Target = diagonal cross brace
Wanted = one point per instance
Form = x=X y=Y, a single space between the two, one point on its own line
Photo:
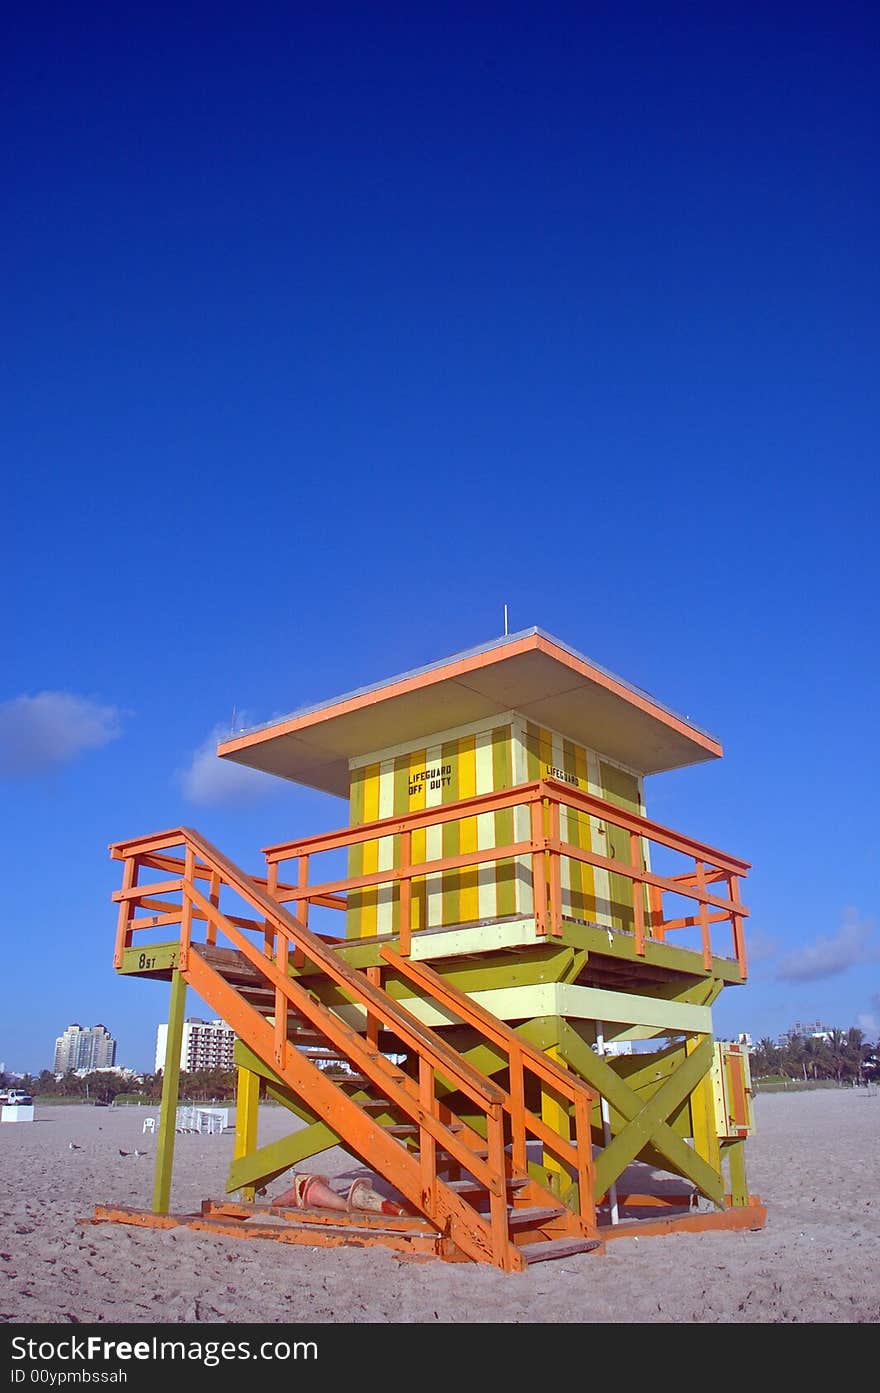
x=645 y=1122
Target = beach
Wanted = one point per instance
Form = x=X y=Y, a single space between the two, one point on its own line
x=814 y=1160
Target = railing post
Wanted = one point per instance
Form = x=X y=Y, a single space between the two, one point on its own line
x=427 y=1143
x=271 y=889
x=655 y=903
x=635 y=856
x=583 y=1106
x=739 y=946
x=704 y=917
x=405 y=901
x=554 y=866
x=302 y=907
x=214 y=897
x=187 y=906
x=126 y=909
x=498 y=1194
x=539 y=872
x=517 y=1108
x=280 y=1033
x=374 y=975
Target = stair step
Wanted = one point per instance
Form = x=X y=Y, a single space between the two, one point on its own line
x=536 y=1214
x=402 y=1129
x=558 y=1248
x=465 y=1187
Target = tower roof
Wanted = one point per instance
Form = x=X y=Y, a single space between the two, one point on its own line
x=530 y=672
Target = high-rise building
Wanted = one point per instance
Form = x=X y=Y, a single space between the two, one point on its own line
x=205 y=1045
x=84 y=1047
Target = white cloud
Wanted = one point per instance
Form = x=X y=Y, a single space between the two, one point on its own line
x=869 y=1021
x=50 y=729
x=761 y=946
x=209 y=779
x=853 y=943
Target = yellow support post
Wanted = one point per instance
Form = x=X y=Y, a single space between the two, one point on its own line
x=555 y=1113
x=247 y=1098
x=703 y=1122
x=170 y=1094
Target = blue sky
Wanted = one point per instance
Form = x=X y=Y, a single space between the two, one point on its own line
x=330 y=330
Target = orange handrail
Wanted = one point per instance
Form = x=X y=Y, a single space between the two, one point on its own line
x=546 y=849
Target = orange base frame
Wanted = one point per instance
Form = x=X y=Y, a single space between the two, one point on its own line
x=750 y=1216
x=411 y=1236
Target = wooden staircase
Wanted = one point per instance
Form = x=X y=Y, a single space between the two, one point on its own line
x=465 y=1181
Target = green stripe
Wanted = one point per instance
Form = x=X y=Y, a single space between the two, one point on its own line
x=534 y=753
x=574 y=834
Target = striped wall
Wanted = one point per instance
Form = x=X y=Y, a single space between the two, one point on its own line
x=588 y=892
x=460 y=764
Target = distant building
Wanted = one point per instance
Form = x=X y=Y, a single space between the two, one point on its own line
x=205 y=1045
x=84 y=1048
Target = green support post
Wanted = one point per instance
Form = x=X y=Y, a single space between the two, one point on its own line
x=170 y=1093
x=735 y=1152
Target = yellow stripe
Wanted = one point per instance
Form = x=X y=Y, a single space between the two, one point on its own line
x=355 y=855
x=503 y=777
x=450 y=881
x=469 y=900
x=554 y=1111
x=370 y=901
x=415 y=804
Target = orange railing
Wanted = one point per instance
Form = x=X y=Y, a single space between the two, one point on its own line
x=544 y=850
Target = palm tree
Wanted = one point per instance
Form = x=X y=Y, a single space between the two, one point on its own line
x=857 y=1052
x=765 y=1057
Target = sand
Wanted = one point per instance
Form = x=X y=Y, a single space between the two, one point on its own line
x=814 y=1161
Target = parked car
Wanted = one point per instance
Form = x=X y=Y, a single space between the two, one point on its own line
x=15 y=1098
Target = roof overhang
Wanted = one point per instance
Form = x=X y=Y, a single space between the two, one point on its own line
x=530 y=672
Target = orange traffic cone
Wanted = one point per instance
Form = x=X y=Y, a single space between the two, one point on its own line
x=311 y=1192
x=363 y=1196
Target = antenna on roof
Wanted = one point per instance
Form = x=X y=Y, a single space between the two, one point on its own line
x=232 y=727
x=505 y=621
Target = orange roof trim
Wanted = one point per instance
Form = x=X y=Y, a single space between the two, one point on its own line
x=530 y=672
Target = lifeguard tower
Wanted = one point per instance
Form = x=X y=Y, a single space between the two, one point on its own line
x=493 y=986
